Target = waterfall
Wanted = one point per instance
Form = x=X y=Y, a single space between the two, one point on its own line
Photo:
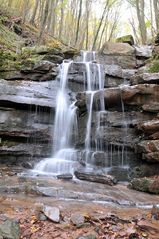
x=64 y=154
x=94 y=81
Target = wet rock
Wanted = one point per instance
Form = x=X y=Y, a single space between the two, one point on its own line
x=143 y=51
x=53 y=213
x=65 y=176
x=16 y=153
x=150 y=185
x=152 y=108
x=151 y=78
x=24 y=94
x=129 y=119
x=10 y=230
x=77 y=219
x=126 y=39
x=136 y=95
x=149 y=149
x=128 y=73
x=113 y=70
x=25 y=124
x=87 y=237
x=99 y=178
x=27 y=165
x=140 y=94
x=144 y=170
x=149 y=127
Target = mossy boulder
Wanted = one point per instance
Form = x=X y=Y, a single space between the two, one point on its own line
x=149 y=185
x=126 y=39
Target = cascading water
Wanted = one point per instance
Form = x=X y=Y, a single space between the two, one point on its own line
x=64 y=154
x=94 y=81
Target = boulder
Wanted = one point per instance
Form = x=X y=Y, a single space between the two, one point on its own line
x=149 y=149
x=126 y=39
x=150 y=185
x=110 y=48
x=98 y=178
x=121 y=54
x=143 y=51
x=10 y=229
x=145 y=78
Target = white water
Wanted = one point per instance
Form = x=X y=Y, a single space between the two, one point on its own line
x=94 y=81
x=64 y=154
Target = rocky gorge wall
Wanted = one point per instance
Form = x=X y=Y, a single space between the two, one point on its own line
x=27 y=105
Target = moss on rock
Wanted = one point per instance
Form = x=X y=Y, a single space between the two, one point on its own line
x=154 y=66
x=126 y=39
x=147 y=184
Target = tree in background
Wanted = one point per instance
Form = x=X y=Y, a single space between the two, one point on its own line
x=87 y=24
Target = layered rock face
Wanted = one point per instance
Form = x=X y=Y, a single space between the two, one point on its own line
x=128 y=130
x=127 y=133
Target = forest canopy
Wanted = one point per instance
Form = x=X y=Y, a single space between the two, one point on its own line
x=87 y=24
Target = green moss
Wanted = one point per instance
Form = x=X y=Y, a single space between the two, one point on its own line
x=126 y=39
x=154 y=67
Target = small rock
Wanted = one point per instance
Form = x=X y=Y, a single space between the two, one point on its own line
x=27 y=165
x=87 y=237
x=77 y=219
x=53 y=213
x=10 y=230
x=42 y=217
x=65 y=176
x=155 y=213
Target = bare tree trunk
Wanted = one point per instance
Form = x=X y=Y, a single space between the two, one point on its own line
x=151 y=11
x=78 y=21
x=88 y=6
x=100 y=24
x=140 y=8
x=10 y=3
x=61 y=20
x=43 y=25
x=32 y=20
x=156 y=10
x=52 y=26
x=25 y=9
